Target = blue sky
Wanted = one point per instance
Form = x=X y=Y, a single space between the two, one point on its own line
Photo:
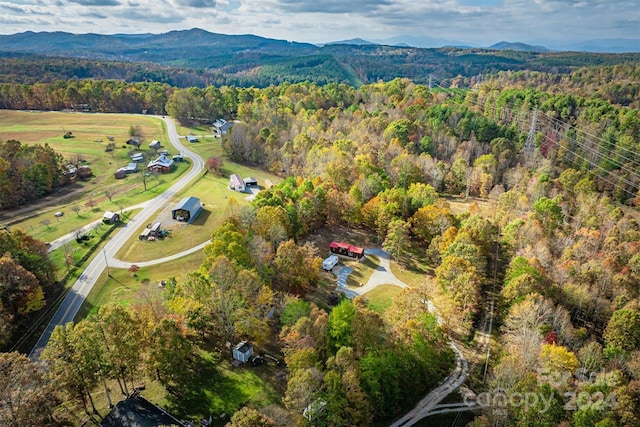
x=473 y=22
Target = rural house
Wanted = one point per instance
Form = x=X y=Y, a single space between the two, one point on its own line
x=187 y=209
x=155 y=144
x=347 y=250
x=110 y=217
x=162 y=164
x=191 y=138
x=137 y=157
x=236 y=183
x=131 y=168
x=135 y=141
x=120 y=173
x=221 y=127
x=243 y=351
x=136 y=411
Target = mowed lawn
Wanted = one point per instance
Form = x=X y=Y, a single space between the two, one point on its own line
x=381 y=297
x=120 y=286
x=87 y=147
x=212 y=190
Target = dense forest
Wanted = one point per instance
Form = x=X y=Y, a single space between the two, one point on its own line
x=28 y=172
x=556 y=263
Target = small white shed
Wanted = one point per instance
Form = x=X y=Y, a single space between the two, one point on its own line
x=243 y=351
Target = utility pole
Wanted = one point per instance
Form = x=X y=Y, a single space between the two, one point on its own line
x=106 y=261
x=528 y=147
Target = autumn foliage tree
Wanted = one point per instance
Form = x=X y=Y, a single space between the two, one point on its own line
x=26 y=397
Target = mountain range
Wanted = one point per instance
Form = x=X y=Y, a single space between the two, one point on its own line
x=254 y=60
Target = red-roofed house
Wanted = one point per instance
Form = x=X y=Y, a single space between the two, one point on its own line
x=162 y=164
x=345 y=249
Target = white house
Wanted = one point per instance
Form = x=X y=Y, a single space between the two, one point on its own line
x=155 y=144
x=191 y=138
x=236 y=183
x=243 y=351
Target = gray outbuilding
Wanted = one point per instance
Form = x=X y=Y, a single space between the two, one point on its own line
x=187 y=209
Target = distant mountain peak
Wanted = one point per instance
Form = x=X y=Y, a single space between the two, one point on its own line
x=356 y=41
x=503 y=45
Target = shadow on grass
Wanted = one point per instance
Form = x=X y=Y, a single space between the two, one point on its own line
x=212 y=387
x=202 y=218
x=362 y=270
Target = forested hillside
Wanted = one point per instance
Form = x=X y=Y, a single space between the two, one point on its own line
x=553 y=263
x=199 y=58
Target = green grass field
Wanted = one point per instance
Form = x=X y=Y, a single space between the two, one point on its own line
x=122 y=287
x=213 y=192
x=90 y=199
x=380 y=298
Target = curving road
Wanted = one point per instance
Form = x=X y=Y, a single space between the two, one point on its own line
x=428 y=403
x=74 y=299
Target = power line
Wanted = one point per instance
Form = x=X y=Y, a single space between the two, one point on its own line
x=561 y=129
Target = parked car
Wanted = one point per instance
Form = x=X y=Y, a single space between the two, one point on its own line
x=330 y=262
x=58 y=214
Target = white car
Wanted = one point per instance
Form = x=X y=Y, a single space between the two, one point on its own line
x=330 y=262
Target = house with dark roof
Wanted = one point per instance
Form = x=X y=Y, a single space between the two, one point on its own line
x=187 y=209
x=162 y=164
x=135 y=141
x=155 y=144
x=243 y=351
x=250 y=182
x=136 y=411
x=221 y=127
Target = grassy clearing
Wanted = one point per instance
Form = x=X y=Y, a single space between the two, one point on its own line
x=214 y=387
x=380 y=297
x=213 y=192
x=362 y=270
x=87 y=147
x=461 y=205
x=411 y=270
x=121 y=287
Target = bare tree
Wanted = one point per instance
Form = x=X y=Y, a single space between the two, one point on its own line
x=46 y=222
x=144 y=176
x=110 y=192
x=76 y=209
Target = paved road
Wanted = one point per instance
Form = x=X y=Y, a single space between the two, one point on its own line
x=78 y=293
x=428 y=403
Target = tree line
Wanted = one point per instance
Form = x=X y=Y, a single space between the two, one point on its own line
x=28 y=172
